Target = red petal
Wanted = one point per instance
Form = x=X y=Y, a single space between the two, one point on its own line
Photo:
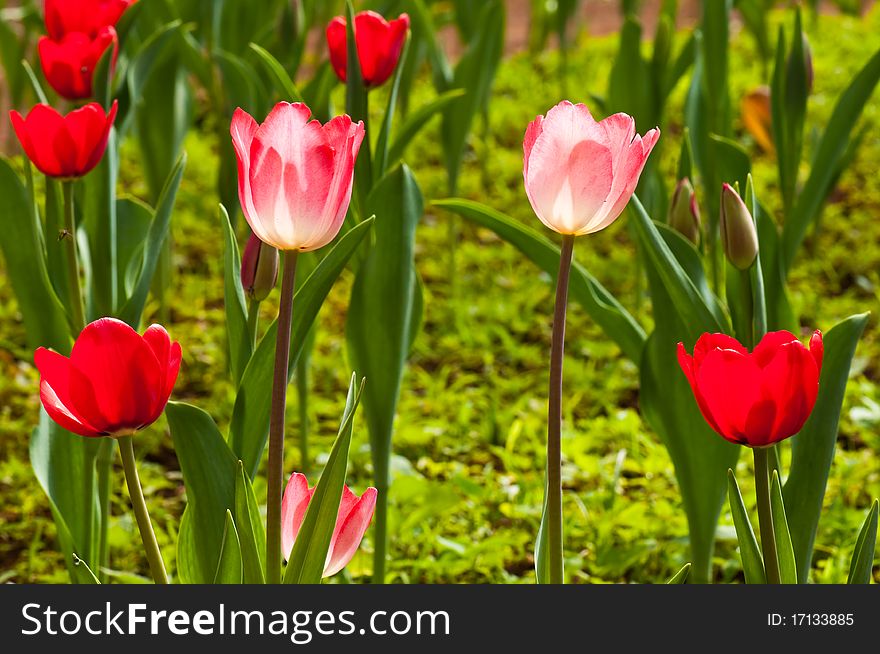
x=791 y=380
x=55 y=381
x=767 y=348
x=168 y=357
x=730 y=384
x=708 y=342
x=351 y=525
x=338 y=46
x=293 y=510
x=817 y=349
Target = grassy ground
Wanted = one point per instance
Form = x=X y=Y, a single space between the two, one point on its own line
x=468 y=469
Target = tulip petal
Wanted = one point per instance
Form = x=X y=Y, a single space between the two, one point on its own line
x=55 y=382
x=124 y=374
x=730 y=385
x=49 y=144
x=791 y=380
x=294 y=504
x=242 y=129
x=338 y=46
x=817 y=349
x=767 y=349
x=350 y=530
x=708 y=342
x=168 y=358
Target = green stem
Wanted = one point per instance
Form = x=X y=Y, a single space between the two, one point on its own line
x=77 y=313
x=380 y=532
x=302 y=393
x=765 y=515
x=554 y=417
x=104 y=463
x=747 y=305
x=275 y=470
x=148 y=536
x=253 y=319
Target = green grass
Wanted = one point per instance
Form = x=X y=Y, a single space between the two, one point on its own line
x=469 y=442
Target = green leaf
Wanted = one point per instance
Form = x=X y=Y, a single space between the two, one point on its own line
x=681 y=576
x=784 y=548
x=249 y=427
x=21 y=240
x=64 y=464
x=89 y=575
x=832 y=147
x=699 y=455
x=629 y=87
x=475 y=73
x=603 y=307
x=252 y=534
x=753 y=564
x=694 y=302
x=133 y=309
x=863 y=554
x=380 y=165
x=812 y=450
x=137 y=218
x=416 y=120
x=379 y=323
x=542 y=562
x=238 y=337
x=357 y=106
x=283 y=82
x=309 y=554
x=209 y=470
x=229 y=565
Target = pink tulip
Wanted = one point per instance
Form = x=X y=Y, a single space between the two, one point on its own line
x=580 y=174
x=295 y=175
x=352 y=521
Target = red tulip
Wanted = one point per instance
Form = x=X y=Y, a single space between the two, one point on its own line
x=85 y=16
x=295 y=175
x=758 y=398
x=115 y=381
x=580 y=174
x=379 y=44
x=69 y=63
x=352 y=521
x=64 y=146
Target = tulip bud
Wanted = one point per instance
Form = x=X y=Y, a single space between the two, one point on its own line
x=684 y=214
x=738 y=234
x=259 y=269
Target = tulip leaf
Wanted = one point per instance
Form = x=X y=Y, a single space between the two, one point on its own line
x=629 y=84
x=276 y=71
x=863 y=554
x=753 y=564
x=309 y=553
x=209 y=471
x=357 y=106
x=380 y=318
x=681 y=576
x=416 y=120
x=832 y=147
x=64 y=464
x=237 y=334
x=24 y=251
x=88 y=576
x=700 y=456
x=133 y=309
x=813 y=448
x=229 y=566
x=35 y=82
x=603 y=307
x=249 y=427
x=475 y=73
x=784 y=548
x=100 y=222
x=690 y=295
x=380 y=165
x=251 y=532
x=137 y=218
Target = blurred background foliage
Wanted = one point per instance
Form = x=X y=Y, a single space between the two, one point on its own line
x=469 y=441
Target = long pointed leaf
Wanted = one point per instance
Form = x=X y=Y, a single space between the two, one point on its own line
x=863 y=554
x=784 y=548
x=753 y=564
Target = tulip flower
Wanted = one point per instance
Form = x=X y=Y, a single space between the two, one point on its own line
x=684 y=213
x=579 y=176
x=379 y=44
x=295 y=175
x=739 y=236
x=69 y=63
x=115 y=383
x=64 y=146
x=85 y=16
x=295 y=178
x=756 y=399
x=259 y=269
x=352 y=520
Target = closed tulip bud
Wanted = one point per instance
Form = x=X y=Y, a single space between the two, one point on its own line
x=738 y=234
x=259 y=269
x=379 y=45
x=684 y=214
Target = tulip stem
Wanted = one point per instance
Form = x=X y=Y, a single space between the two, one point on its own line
x=747 y=304
x=77 y=313
x=275 y=470
x=765 y=515
x=554 y=418
x=148 y=536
